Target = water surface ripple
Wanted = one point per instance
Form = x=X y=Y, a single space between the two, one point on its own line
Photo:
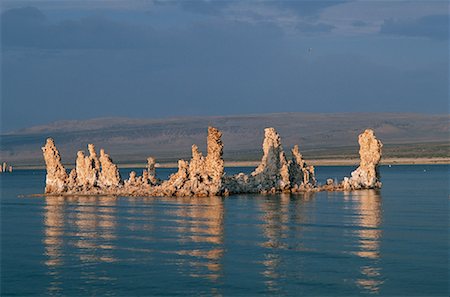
x=388 y=242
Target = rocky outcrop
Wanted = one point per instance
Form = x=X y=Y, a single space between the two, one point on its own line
x=109 y=175
x=4 y=167
x=150 y=174
x=56 y=179
x=366 y=176
x=274 y=173
x=204 y=175
x=301 y=176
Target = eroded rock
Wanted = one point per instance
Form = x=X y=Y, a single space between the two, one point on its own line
x=109 y=175
x=301 y=176
x=151 y=171
x=366 y=176
x=56 y=178
x=274 y=173
x=204 y=175
x=4 y=167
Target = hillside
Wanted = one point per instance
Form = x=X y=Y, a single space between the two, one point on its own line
x=318 y=135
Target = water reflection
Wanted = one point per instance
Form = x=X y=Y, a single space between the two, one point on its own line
x=94 y=222
x=90 y=222
x=200 y=235
x=367 y=205
x=283 y=217
x=186 y=237
x=53 y=240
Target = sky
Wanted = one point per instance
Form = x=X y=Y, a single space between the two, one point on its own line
x=80 y=59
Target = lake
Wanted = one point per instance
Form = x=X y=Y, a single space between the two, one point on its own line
x=392 y=242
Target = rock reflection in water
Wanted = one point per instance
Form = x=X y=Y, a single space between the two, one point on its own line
x=200 y=232
x=53 y=240
x=94 y=219
x=367 y=204
x=280 y=216
x=90 y=221
x=185 y=237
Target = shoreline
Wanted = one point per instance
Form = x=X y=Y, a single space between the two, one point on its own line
x=318 y=162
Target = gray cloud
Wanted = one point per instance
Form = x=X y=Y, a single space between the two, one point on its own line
x=217 y=7
x=207 y=79
x=211 y=7
x=94 y=66
x=29 y=27
x=359 y=23
x=307 y=7
x=433 y=26
x=314 y=28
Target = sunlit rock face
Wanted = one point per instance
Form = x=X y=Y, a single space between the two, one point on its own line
x=87 y=170
x=109 y=175
x=274 y=173
x=366 y=176
x=301 y=176
x=56 y=179
x=204 y=176
x=91 y=175
x=150 y=174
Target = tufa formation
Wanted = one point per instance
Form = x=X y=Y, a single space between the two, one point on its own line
x=366 y=176
x=4 y=167
x=204 y=176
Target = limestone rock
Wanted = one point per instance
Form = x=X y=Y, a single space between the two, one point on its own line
x=301 y=175
x=72 y=180
x=366 y=176
x=4 y=167
x=87 y=170
x=214 y=160
x=56 y=179
x=176 y=181
x=204 y=175
x=109 y=175
x=151 y=171
x=273 y=172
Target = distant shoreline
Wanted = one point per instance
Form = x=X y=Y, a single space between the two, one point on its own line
x=318 y=162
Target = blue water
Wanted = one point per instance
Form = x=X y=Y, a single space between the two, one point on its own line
x=393 y=242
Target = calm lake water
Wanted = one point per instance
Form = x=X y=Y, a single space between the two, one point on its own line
x=389 y=242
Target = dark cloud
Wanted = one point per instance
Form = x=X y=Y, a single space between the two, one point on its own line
x=359 y=23
x=94 y=66
x=205 y=7
x=28 y=27
x=216 y=7
x=314 y=28
x=22 y=26
x=209 y=7
x=306 y=7
x=207 y=79
x=433 y=26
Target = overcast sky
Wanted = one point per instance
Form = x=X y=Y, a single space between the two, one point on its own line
x=84 y=59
